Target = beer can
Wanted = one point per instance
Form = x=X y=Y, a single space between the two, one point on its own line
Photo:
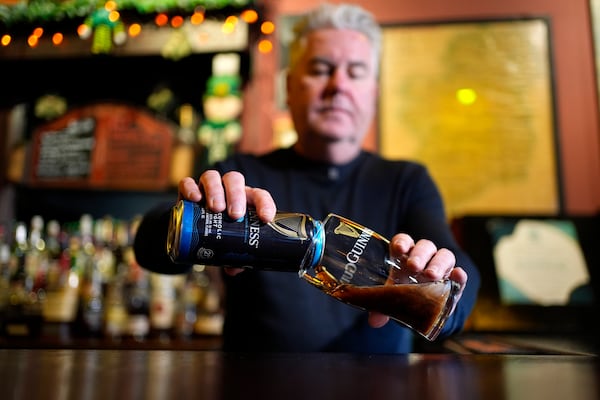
x=292 y=242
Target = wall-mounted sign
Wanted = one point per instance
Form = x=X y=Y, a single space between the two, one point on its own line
x=108 y=146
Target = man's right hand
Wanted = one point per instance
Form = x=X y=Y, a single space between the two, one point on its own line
x=228 y=193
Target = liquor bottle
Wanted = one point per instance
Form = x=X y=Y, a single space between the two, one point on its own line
x=115 y=311
x=342 y=258
x=163 y=305
x=105 y=249
x=23 y=315
x=59 y=306
x=188 y=301
x=90 y=317
x=35 y=259
x=4 y=275
x=116 y=318
x=210 y=318
x=137 y=299
x=137 y=284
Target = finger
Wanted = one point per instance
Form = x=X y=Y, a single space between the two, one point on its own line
x=189 y=190
x=440 y=264
x=460 y=276
x=235 y=193
x=401 y=244
x=419 y=256
x=377 y=320
x=214 y=193
x=263 y=202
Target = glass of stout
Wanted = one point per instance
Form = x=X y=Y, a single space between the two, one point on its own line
x=356 y=269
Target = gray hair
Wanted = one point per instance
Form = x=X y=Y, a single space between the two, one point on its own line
x=341 y=16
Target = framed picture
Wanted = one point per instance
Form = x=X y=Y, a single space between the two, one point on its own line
x=535 y=271
x=474 y=102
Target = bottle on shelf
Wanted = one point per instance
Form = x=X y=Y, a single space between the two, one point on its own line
x=115 y=308
x=116 y=317
x=209 y=321
x=90 y=317
x=4 y=275
x=59 y=305
x=138 y=298
x=23 y=316
x=188 y=301
x=163 y=305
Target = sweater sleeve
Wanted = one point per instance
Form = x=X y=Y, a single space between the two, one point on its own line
x=150 y=243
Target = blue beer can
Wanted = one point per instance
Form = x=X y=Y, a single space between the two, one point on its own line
x=292 y=242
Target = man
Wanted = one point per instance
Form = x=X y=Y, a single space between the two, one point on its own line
x=331 y=93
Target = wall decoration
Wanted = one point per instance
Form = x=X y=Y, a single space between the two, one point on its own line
x=47 y=28
x=474 y=102
x=102 y=146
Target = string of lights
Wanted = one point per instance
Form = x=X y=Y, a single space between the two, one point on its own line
x=107 y=24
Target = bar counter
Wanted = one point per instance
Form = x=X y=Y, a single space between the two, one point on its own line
x=208 y=374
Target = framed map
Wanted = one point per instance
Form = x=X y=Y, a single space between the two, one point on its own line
x=474 y=102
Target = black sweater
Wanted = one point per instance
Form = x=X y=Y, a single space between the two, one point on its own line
x=276 y=311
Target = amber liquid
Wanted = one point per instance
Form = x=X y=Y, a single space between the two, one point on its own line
x=422 y=307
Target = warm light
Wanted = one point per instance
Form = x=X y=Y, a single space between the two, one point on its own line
x=38 y=32
x=82 y=29
x=114 y=16
x=249 y=16
x=135 y=30
x=32 y=41
x=466 y=96
x=161 y=19
x=177 y=21
x=197 y=18
x=267 y=27
x=265 y=46
x=5 y=40
x=57 y=38
x=110 y=5
x=229 y=25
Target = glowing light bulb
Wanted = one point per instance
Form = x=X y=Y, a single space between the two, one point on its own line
x=6 y=39
x=267 y=27
x=249 y=16
x=466 y=96
x=265 y=46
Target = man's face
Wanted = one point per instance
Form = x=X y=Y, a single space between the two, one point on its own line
x=333 y=87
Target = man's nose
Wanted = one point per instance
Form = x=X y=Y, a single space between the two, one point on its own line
x=338 y=80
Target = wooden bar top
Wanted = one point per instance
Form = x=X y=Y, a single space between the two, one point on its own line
x=208 y=374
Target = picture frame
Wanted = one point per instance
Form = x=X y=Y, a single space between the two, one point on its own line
x=499 y=311
x=474 y=101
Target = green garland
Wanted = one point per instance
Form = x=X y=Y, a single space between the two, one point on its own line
x=41 y=12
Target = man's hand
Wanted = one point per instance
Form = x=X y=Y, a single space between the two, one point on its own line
x=426 y=262
x=228 y=193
